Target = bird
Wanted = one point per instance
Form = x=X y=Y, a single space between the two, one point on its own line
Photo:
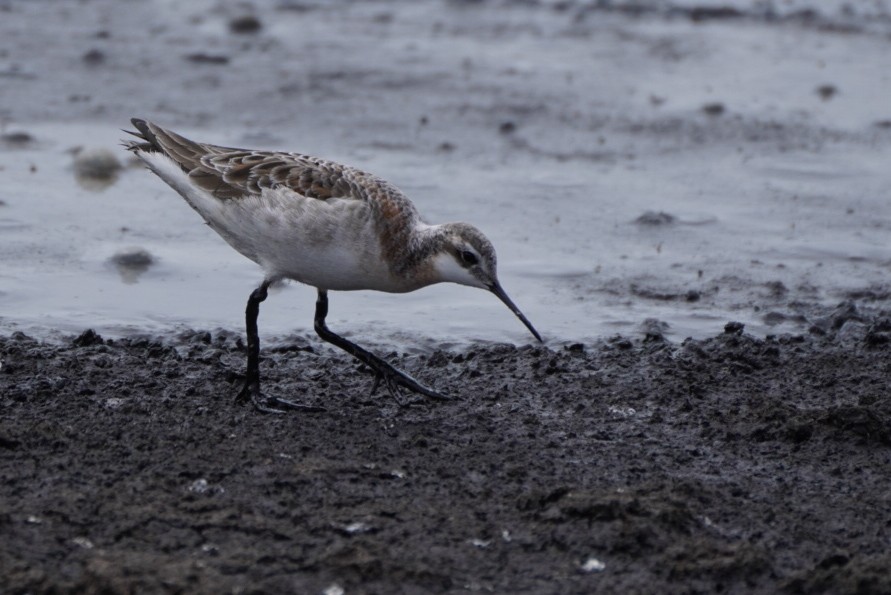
x=327 y=225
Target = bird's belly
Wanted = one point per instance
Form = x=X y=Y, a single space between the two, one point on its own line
x=329 y=244
x=334 y=267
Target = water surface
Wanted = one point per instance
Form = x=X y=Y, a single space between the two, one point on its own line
x=764 y=195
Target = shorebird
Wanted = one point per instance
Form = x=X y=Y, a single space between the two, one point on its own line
x=321 y=223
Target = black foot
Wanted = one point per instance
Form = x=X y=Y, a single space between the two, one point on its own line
x=266 y=404
x=395 y=380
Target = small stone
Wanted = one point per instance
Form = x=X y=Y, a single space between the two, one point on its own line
x=94 y=57
x=202 y=58
x=245 y=24
x=592 y=565
x=654 y=218
x=87 y=338
x=133 y=258
x=713 y=109
x=17 y=138
x=131 y=263
x=507 y=128
x=654 y=330
x=827 y=92
x=734 y=328
x=199 y=486
x=357 y=528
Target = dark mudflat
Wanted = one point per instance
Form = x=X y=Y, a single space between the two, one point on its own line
x=731 y=465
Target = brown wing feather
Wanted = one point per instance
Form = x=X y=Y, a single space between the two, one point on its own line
x=251 y=172
x=231 y=173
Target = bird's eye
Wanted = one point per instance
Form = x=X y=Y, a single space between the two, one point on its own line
x=469 y=258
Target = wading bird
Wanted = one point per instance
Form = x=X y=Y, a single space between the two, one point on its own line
x=327 y=225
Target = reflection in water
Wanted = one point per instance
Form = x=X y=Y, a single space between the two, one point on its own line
x=95 y=169
x=95 y=184
x=132 y=263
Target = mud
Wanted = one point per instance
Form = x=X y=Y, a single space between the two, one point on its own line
x=731 y=464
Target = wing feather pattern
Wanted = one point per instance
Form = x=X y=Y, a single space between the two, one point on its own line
x=230 y=173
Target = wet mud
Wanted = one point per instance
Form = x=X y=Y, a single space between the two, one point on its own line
x=731 y=464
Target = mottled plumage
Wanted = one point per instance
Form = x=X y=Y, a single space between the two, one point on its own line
x=321 y=223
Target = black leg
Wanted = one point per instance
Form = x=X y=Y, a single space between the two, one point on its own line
x=252 y=377
x=392 y=377
x=251 y=389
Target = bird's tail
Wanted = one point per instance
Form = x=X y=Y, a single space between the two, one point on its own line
x=154 y=139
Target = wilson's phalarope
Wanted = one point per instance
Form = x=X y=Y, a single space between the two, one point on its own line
x=320 y=223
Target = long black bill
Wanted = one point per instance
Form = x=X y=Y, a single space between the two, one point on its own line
x=497 y=290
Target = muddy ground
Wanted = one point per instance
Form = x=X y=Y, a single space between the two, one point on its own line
x=635 y=465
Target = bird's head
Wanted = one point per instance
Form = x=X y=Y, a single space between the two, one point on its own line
x=467 y=257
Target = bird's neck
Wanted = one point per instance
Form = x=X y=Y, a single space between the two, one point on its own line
x=414 y=262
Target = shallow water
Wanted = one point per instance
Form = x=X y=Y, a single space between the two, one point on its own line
x=552 y=132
